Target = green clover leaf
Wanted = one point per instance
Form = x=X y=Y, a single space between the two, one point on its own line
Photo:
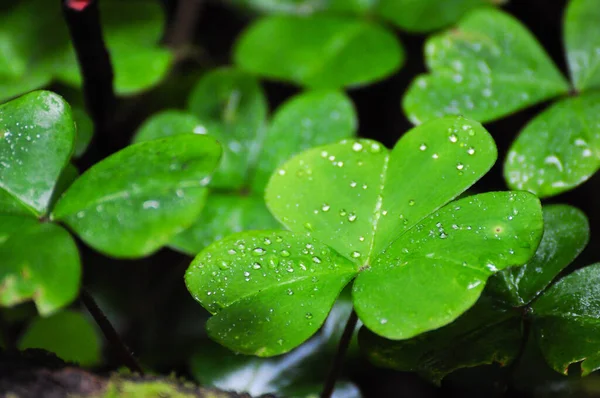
x=480 y=71
x=356 y=210
x=492 y=330
x=323 y=52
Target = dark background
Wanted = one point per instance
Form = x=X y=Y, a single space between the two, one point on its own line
x=147 y=298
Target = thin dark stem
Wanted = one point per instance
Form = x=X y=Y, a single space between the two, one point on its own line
x=181 y=30
x=83 y=21
x=109 y=332
x=338 y=361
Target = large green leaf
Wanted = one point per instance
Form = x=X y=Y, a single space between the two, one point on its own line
x=223 y=215
x=583 y=43
x=559 y=149
x=269 y=291
x=426 y=15
x=36 y=141
x=307 y=120
x=380 y=212
x=489 y=66
x=233 y=107
x=566 y=233
x=567 y=321
x=68 y=334
x=143 y=195
x=40 y=262
x=485 y=334
x=318 y=52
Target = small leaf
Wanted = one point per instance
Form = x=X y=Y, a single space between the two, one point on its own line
x=233 y=108
x=40 y=262
x=582 y=43
x=307 y=120
x=566 y=233
x=68 y=334
x=223 y=215
x=319 y=51
x=143 y=195
x=557 y=150
x=566 y=321
x=479 y=70
x=461 y=246
x=269 y=291
x=426 y=15
x=168 y=123
x=484 y=334
x=36 y=140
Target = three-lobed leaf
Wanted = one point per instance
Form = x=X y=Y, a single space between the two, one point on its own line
x=386 y=214
x=36 y=141
x=318 y=52
x=143 y=195
x=487 y=67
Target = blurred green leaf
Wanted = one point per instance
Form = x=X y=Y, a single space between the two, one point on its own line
x=168 y=123
x=133 y=202
x=582 y=43
x=68 y=334
x=488 y=67
x=40 y=262
x=318 y=52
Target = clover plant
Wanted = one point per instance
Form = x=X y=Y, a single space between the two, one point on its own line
x=230 y=106
x=143 y=195
x=385 y=220
x=490 y=66
x=562 y=315
x=37 y=49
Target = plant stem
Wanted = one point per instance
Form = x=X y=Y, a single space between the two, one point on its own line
x=109 y=332
x=83 y=20
x=181 y=30
x=338 y=360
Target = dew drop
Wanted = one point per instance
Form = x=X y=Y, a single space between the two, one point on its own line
x=375 y=147
x=246 y=274
x=308 y=315
x=259 y=251
x=361 y=238
x=357 y=147
x=231 y=251
x=352 y=217
x=353 y=184
x=383 y=321
x=285 y=253
x=423 y=147
x=411 y=202
x=435 y=156
x=460 y=166
x=343 y=213
x=453 y=138
x=325 y=207
x=256 y=266
x=471 y=151
x=267 y=241
x=355 y=254
x=290 y=292
x=316 y=260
